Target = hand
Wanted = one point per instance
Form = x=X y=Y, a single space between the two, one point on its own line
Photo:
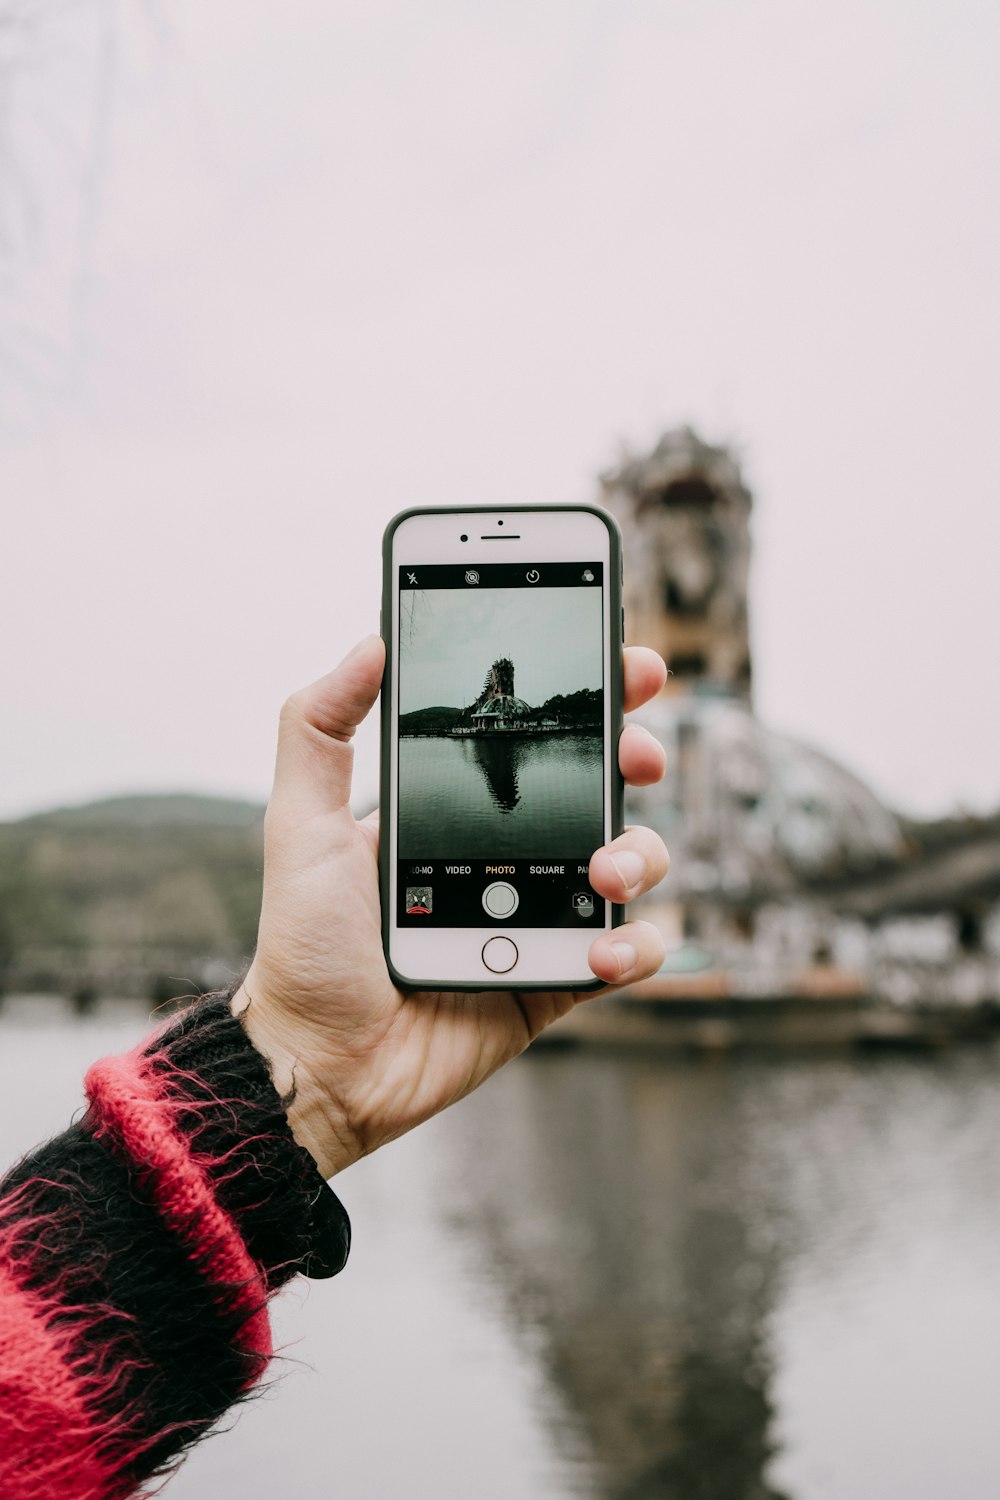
x=366 y=1061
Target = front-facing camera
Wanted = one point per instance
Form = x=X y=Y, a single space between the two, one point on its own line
x=463 y=537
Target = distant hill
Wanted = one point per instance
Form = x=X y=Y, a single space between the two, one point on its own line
x=134 y=895
x=152 y=810
x=429 y=720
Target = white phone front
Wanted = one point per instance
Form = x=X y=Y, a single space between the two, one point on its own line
x=502 y=707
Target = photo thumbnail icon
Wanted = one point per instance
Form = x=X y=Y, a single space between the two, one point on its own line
x=419 y=900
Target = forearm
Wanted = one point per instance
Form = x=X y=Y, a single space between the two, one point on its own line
x=137 y=1254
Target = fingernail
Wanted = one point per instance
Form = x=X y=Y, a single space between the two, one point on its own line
x=630 y=866
x=625 y=954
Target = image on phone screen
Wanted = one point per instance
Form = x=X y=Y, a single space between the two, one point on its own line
x=500 y=796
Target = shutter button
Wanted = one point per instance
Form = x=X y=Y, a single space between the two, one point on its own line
x=500 y=899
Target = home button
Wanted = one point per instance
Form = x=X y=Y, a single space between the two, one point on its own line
x=500 y=955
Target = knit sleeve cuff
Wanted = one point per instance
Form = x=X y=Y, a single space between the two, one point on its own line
x=202 y=1080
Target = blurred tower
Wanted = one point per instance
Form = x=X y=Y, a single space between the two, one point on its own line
x=684 y=513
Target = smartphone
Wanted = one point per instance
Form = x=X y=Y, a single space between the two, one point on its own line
x=502 y=708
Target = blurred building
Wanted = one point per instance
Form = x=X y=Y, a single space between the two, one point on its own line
x=684 y=512
x=790 y=878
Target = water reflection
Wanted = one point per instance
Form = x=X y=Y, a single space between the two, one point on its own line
x=635 y=1246
x=676 y=1229
x=497 y=761
x=517 y=797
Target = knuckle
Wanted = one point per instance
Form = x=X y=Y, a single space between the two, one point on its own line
x=292 y=710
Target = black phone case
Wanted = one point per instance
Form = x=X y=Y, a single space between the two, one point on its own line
x=617 y=689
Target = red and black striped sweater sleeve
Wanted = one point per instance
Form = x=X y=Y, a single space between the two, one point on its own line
x=138 y=1251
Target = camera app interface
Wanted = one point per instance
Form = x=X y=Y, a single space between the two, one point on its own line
x=501 y=719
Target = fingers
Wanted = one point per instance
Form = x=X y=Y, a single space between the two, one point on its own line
x=629 y=866
x=312 y=773
x=641 y=757
x=645 y=674
x=628 y=953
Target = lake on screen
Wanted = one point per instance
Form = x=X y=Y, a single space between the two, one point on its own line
x=500 y=796
x=628 y=1278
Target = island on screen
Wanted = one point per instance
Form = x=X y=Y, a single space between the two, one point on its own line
x=501 y=743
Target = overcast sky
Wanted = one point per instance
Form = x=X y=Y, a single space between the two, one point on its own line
x=270 y=275
x=553 y=637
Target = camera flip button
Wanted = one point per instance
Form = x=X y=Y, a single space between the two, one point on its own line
x=500 y=955
x=500 y=899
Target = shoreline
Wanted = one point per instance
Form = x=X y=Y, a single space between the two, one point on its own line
x=502 y=734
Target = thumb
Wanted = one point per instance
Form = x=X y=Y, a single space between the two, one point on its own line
x=312 y=773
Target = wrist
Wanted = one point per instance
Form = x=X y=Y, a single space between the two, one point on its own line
x=312 y=1117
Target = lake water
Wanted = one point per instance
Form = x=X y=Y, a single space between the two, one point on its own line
x=633 y=1279
x=505 y=797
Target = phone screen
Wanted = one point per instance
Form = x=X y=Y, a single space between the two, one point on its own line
x=500 y=796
